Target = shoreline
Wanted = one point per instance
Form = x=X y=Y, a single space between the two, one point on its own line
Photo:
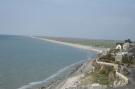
x=74 y=74
x=73 y=80
x=89 y=48
x=56 y=78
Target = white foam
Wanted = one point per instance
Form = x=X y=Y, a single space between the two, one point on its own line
x=51 y=77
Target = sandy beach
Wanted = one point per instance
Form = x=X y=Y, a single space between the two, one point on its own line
x=73 y=78
x=70 y=79
x=73 y=81
x=69 y=82
x=91 y=48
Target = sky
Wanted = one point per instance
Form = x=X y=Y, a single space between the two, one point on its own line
x=95 y=19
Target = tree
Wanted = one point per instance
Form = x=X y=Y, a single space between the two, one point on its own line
x=128 y=41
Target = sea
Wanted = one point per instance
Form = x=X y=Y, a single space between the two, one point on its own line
x=25 y=60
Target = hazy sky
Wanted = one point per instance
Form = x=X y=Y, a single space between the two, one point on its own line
x=102 y=19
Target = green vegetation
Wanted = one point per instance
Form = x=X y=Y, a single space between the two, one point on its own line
x=91 y=42
x=95 y=43
x=96 y=77
x=101 y=78
x=127 y=60
x=103 y=75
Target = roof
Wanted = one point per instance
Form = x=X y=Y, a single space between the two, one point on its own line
x=119 y=43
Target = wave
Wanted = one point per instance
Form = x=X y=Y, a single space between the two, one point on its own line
x=51 y=77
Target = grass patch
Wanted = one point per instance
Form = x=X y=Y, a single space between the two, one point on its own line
x=95 y=77
x=102 y=79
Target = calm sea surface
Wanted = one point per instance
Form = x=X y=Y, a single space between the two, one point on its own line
x=24 y=60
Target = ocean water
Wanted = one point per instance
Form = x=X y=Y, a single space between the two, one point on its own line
x=24 y=60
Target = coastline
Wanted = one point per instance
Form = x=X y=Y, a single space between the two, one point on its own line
x=57 y=78
x=89 y=48
x=73 y=73
x=74 y=79
x=77 y=73
x=72 y=69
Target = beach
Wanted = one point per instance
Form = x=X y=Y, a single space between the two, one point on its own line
x=72 y=79
x=91 y=48
x=58 y=80
x=26 y=62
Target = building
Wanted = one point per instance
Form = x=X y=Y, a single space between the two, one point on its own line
x=125 y=57
x=119 y=57
x=119 y=46
x=126 y=46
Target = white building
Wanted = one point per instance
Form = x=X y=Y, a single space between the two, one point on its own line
x=119 y=46
x=126 y=46
x=119 y=57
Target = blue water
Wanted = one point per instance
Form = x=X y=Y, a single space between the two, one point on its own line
x=24 y=60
